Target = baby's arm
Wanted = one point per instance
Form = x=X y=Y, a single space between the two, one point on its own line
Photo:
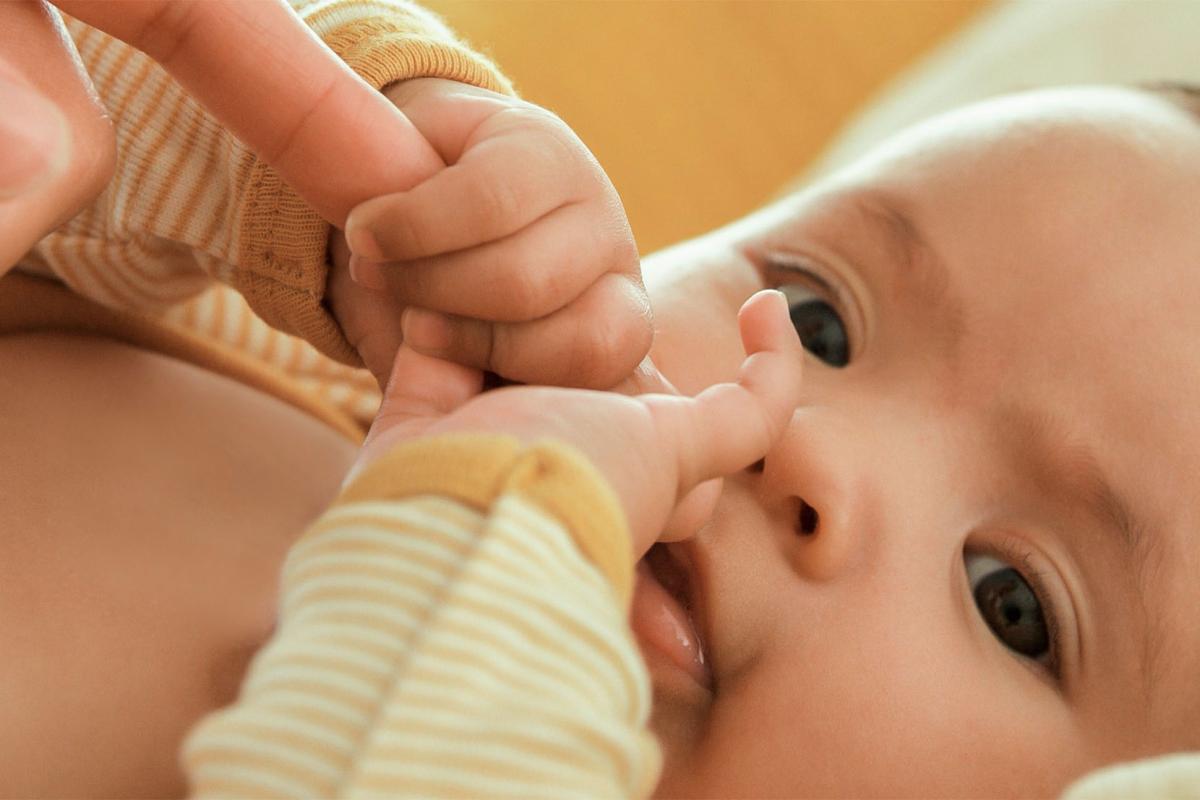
x=455 y=625
x=189 y=203
x=442 y=634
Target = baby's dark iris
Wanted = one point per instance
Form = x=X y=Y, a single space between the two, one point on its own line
x=821 y=331
x=1013 y=612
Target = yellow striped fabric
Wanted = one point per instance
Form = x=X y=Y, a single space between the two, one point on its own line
x=429 y=648
x=191 y=212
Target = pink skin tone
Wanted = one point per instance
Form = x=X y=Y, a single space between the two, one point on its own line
x=849 y=660
x=852 y=661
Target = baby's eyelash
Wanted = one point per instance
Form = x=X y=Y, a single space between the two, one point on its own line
x=782 y=269
x=1012 y=550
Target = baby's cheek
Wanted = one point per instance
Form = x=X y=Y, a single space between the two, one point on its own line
x=696 y=341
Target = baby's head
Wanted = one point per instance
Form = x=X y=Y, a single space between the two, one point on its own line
x=970 y=565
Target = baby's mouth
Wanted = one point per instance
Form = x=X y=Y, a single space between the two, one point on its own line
x=661 y=615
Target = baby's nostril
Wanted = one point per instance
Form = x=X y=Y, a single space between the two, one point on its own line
x=809 y=519
x=758 y=466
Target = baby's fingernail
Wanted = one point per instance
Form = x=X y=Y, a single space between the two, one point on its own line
x=362 y=242
x=32 y=138
x=426 y=330
x=368 y=274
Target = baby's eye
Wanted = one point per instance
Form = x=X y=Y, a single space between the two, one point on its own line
x=1009 y=605
x=821 y=330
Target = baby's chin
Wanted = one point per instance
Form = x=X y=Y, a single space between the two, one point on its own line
x=678 y=720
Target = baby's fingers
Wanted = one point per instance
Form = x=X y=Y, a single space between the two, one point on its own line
x=530 y=274
x=501 y=185
x=594 y=342
x=729 y=426
x=421 y=391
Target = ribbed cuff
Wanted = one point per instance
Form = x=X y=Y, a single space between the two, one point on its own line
x=479 y=469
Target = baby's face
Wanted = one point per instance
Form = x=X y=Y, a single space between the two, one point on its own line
x=968 y=567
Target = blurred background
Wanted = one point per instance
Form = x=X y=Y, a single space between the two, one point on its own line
x=701 y=111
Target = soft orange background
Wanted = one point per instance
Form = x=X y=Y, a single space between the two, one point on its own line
x=700 y=111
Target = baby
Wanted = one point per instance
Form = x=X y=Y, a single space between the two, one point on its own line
x=966 y=567
x=961 y=567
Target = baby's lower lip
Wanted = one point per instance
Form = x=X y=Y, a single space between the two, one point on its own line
x=661 y=622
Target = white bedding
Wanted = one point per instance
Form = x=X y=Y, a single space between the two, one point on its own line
x=1031 y=43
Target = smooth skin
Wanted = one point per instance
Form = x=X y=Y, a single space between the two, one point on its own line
x=849 y=661
x=653 y=449
x=515 y=258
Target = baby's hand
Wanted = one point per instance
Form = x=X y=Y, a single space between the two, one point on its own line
x=516 y=258
x=655 y=449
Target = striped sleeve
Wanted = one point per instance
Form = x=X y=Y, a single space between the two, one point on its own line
x=450 y=643
x=190 y=205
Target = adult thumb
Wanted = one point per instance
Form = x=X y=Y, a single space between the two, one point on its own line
x=34 y=139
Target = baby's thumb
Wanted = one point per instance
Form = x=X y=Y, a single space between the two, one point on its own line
x=34 y=139
x=421 y=391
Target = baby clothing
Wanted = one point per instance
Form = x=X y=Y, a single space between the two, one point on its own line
x=442 y=633
x=455 y=623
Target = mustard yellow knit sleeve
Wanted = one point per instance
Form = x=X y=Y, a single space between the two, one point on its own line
x=189 y=204
x=443 y=634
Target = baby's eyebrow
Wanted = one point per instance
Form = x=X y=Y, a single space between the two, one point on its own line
x=1066 y=462
x=1062 y=462
x=917 y=263
x=1036 y=434
x=1038 y=438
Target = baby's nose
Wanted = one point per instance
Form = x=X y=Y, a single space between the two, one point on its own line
x=815 y=485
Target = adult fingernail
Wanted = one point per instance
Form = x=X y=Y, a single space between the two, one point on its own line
x=368 y=274
x=426 y=330
x=32 y=140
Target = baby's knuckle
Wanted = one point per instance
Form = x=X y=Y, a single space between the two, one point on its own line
x=525 y=292
x=535 y=116
x=400 y=235
x=605 y=354
x=498 y=202
x=538 y=286
x=623 y=258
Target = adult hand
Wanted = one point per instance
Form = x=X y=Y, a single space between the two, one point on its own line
x=252 y=63
x=656 y=450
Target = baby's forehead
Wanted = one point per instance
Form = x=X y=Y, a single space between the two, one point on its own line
x=1095 y=130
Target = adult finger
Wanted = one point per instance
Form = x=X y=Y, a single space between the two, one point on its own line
x=260 y=70
x=522 y=277
x=594 y=342
x=729 y=426
x=58 y=146
x=33 y=153
x=33 y=139
x=496 y=189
